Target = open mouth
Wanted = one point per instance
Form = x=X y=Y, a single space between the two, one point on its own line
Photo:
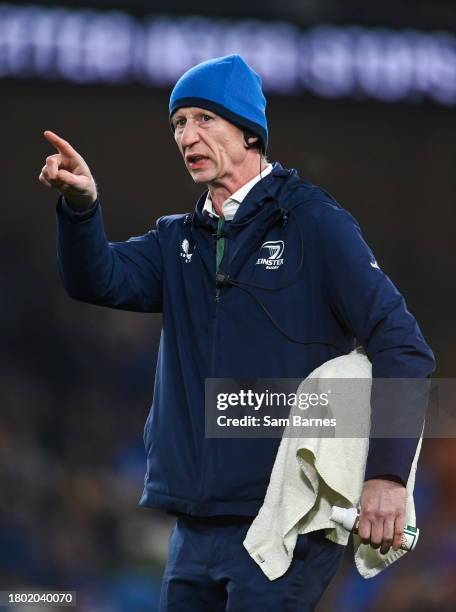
x=195 y=161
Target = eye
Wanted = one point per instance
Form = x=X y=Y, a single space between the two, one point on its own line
x=206 y=118
x=179 y=122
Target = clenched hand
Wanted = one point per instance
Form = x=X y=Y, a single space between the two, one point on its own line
x=382 y=514
x=67 y=172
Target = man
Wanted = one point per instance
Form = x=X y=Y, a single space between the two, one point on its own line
x=269 y=277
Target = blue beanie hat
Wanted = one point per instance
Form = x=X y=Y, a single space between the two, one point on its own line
x=228 y=87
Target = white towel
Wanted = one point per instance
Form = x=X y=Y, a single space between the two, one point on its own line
x=310 y=475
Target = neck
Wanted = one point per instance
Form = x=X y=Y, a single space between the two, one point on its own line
x=222 y=189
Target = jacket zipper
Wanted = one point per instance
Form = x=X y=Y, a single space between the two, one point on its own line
x=219 y=255
x=214 y=329
x=218 y=258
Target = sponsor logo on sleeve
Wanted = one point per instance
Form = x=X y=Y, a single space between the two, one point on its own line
x=185 y=251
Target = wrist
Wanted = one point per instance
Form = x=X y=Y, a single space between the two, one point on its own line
x=75 y=216
x=390 y=477
x=80 y=205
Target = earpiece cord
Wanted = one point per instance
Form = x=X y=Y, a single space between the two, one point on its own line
x=223 y=279
x=276 y=325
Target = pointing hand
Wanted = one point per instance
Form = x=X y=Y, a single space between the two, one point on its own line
x=67 y=172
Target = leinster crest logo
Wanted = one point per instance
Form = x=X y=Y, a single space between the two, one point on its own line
x=185 y=251
x=271 y=254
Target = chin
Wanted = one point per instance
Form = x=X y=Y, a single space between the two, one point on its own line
x=202 y=176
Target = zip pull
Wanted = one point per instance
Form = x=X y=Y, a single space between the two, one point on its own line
x=223 y=280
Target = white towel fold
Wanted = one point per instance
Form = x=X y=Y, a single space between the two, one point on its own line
x=312 y=474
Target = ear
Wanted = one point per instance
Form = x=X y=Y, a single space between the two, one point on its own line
x=249 y=140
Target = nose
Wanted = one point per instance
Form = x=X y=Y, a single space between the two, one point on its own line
x=189 y=135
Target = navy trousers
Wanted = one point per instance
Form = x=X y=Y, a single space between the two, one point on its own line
x=209 y=570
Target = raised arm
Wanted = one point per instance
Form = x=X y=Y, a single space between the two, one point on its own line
x=124 y=275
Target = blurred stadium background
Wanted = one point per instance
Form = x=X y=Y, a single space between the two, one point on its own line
x=362 y=99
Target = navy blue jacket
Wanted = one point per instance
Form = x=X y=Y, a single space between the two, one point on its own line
x=327 y=290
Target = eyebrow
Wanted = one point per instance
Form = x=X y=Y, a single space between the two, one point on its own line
x=178 y=115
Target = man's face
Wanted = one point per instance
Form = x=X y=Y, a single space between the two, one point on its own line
x=212 y=148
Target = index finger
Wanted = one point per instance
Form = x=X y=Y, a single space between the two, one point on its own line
x=60 y=144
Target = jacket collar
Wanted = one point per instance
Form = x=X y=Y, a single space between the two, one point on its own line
x=232 y=203
x=267 y=189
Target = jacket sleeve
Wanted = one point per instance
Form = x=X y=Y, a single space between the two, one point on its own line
x=125 y=275
x=367 y=303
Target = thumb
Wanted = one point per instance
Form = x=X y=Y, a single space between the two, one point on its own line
x=69 y=178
